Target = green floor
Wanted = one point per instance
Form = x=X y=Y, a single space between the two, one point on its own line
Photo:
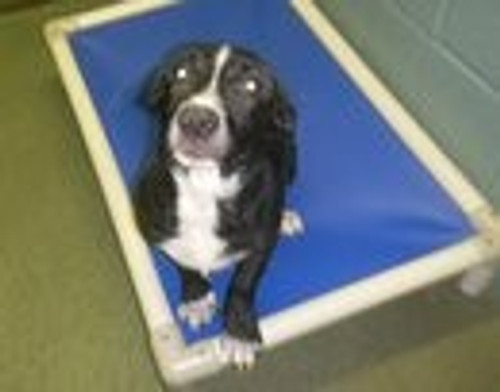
x=68 y=318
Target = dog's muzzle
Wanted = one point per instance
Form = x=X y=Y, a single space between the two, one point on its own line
x=198 y=123
x=201 y=134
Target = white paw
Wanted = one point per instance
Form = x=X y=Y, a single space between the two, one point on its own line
x=240 y=353
x=291 y=223
x=199 y=312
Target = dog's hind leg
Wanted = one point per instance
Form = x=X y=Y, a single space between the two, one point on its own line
x=292 y=223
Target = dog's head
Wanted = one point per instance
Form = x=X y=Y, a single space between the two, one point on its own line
x=218 y=101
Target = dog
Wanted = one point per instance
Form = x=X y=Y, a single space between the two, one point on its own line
x=213 y=194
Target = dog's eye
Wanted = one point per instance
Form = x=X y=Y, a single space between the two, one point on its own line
x=181 y=73
x=251 y=85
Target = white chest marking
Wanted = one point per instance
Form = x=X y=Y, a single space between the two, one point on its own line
x=197 y=245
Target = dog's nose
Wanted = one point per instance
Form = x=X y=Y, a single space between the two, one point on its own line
x=199 y=122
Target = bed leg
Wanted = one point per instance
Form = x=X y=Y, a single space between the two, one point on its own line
x=179 y=364
x=477 y=280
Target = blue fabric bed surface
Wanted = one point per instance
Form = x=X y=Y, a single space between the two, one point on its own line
x=368 y=204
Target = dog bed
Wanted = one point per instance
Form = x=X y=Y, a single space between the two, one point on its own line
x=386 y=212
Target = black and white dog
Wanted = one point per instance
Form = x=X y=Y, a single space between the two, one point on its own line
x=214 y=192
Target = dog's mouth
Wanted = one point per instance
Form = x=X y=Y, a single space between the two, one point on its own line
x=190 y=152
x=196 y=149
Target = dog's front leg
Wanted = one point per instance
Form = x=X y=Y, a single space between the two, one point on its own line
x=243 y=339
x=199 y=304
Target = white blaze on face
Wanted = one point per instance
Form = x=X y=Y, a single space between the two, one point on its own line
x=209 y=98
x=210 y=94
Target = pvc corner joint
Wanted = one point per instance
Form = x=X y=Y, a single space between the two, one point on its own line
x=487 y=223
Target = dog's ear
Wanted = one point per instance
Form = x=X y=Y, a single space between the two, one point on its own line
x=284 y=118
x=283 y=113
x=156 y=93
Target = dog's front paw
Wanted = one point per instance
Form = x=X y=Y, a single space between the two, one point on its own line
x=291 y=223
x=238 y=352
x=199 y=312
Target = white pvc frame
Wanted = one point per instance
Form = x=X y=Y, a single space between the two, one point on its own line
x=180 y=363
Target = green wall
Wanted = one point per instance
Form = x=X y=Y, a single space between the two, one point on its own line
x=442 y=58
